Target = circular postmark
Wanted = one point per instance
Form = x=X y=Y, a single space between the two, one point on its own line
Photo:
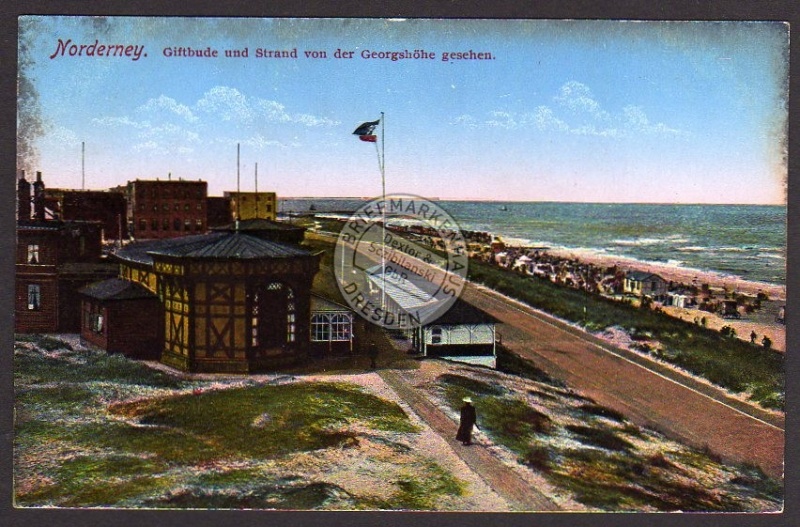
x=400 y=261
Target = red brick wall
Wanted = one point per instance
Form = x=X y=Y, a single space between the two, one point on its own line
x=45 y=318
x=174 y=208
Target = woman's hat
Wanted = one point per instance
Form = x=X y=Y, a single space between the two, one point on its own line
x=467 y=400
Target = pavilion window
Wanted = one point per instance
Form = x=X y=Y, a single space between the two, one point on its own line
x=341 y=327
x=320 y=328
x=254 y=322
x=291 y=325
x=436 y=335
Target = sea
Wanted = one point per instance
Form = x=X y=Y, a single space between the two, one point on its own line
x=742 y=241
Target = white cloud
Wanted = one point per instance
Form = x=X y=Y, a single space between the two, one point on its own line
x=502 y=120
x=162 y=103
x=166 y=126
x=226 y=103
x=119 y=121
x=545 y=119
x=578 y=98
x=64 y=137
x=636 y=119
x=575 y=110
x=465 y=120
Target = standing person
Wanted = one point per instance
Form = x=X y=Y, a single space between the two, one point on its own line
x=467 y=421
x=372 y=352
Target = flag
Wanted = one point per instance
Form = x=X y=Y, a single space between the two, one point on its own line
x=364 y=132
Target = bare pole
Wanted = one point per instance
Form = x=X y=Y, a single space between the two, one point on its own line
x=238 y=188
x=256 y=190
x=381 y=165
x=83 y=165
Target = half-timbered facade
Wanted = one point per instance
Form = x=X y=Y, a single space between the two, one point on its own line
x=233 y=302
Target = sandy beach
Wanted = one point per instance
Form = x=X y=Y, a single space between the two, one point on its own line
x=677 y=274
x=762 y=322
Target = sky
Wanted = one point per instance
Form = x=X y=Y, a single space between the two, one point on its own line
x=576 y=111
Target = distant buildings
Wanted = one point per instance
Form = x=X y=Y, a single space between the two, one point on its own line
x=105 y=206
x=166 y=209
x=61 y=232
x=644 y=284
x=253 y=205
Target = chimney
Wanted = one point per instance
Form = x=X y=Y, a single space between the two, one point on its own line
x=38 y=198
x=23 y=198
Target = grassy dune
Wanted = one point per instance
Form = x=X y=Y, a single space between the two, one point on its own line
x=596 y=456
x=94 y=430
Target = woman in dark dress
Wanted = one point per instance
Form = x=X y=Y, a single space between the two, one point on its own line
x=468 y=418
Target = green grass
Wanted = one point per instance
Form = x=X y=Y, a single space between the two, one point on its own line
x=509 y=421
x=731 y=363
x=614 y=481
x=31 y=367
x=296 y=417
x=419 y=491
x=96 y=481
x=599 y=437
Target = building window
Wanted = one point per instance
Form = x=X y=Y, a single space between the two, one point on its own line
x=320 y=328
x=291 y=325
x=165 y=224
x=341 y=327
x=166 y=207
x=331 y=327
x=199 y=206
x=34 y=297
x=176 y=224
x=154 y=224
x=186 y=207
x=187 y=225
x=142 y=225
x=436 y=335
x=33 y=254
x=97 y=323
x=155 y=208
x=198 y=225
x=254 y=322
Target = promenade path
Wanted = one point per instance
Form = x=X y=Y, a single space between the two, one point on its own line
x=517 y=492
x=648 y=393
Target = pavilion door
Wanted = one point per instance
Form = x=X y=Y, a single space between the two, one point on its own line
x=273 y=317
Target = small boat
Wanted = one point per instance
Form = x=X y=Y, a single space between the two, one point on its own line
x=503 y=208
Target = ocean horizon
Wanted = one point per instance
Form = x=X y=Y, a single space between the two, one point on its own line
x=741 y=241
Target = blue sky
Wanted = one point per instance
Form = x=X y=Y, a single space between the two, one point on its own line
x=596 y=111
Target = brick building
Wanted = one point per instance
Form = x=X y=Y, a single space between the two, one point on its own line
x=219 y=211
x=167 y=209
x=137 y=331
x=109 y=207
x=54 y=258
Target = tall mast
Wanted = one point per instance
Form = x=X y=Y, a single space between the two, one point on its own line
x=238 y=188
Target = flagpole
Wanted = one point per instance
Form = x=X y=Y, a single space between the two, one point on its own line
x=382 y=163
